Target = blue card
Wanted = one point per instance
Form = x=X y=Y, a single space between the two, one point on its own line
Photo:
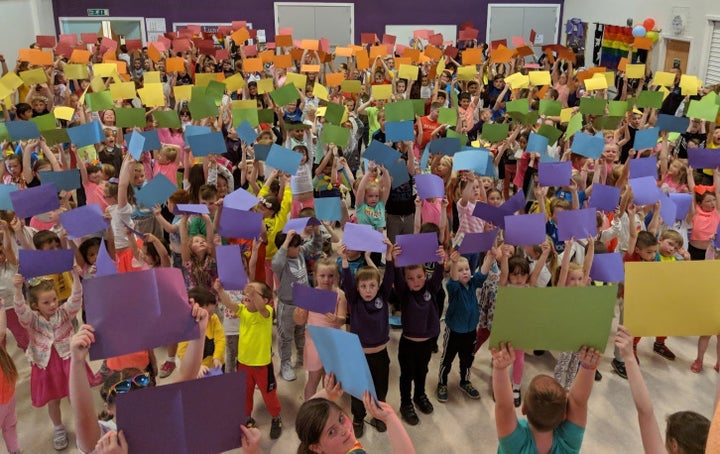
x=152 y=140
x=64 y=180
x=537 y=144
x=283 y=159
x=205 y=144
x=587 y=145
x=155 y=192
x=261 y=151
x=671 y=123
x=328 y=209
x=646 y=138
x=194 y=130
x=135 y=145
x=22 y=130
x=399 y=131
x=246 y=133
x=5 y=201
x=342 y=354
x=399 y=173
x=445 y=145
x=381 y=153
x=40 y=199
x=87 y=134
x=475 y=160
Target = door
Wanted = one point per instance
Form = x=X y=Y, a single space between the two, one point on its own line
x=334 y=21
x=676 y=54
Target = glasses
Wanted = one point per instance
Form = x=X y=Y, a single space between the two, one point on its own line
x=124 y=386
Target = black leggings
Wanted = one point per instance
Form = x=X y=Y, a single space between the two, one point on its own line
x=379 y=364
x=414 y=358
x=696 y=253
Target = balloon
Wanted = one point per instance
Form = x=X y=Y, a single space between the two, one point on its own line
x=649 y=23
x=639 y=31
x=654 y=36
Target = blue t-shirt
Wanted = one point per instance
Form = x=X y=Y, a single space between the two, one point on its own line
x=567 y=438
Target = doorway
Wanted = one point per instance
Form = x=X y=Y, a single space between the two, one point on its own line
x=676 y=54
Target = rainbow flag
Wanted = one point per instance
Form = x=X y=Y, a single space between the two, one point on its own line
x=615 y=45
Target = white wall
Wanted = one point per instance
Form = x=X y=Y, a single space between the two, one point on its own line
x=697 y=13
x=20 y=22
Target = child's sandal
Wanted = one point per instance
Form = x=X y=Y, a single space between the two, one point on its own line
x=697 y=366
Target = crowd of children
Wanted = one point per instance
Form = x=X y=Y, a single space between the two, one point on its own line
x=354 y=166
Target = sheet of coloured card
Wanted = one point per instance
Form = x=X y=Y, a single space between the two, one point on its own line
x=156 y=191
x=33 y=263
x=525 y=229
x=283 y=159
x=605 y=198
x=31 y=201
x=578 y=224
x=230 y=267
x=645 y=190
x=314 y=300
x=361 y=237
x=478 y=242
x=240 y=223
x=554 y=173
x=429 y=186
x=328 y=209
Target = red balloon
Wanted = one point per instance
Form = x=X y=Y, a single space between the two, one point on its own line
x=649 y=24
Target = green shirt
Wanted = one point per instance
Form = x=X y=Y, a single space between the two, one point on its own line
x=567 y=438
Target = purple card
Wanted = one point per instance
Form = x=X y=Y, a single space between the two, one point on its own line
x=361 y=237
x=577 y=224
x=703 y=158
x=41 y=263
x=156 y=191
x=525 y=229
x=191 y=208
x=213 y=372
x=604 y=198
x=682 y=204
x=645 y=190
x=587 y=145
x=478 y=242
x=138 y=311
x=240 y=199
x=137 y=233
x=644 y=167
x=313 y=299
x=489 y=213
x=429 y=186
x=607 y=268
x=716 y=241
x=230 y=267
x=240 y=224
x=417 y=249
x=147 y=416
x=555 y=173
x=205 y=144
x=104 y=264
x=299 y=224
x=514 y=203
x=668 y=210
x=283 y=159
x=537 y=143
x=84 y=220
x=40 y=199
x=136 y=144
x=646 y=138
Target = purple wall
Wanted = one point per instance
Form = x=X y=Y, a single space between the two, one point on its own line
x=370 y=15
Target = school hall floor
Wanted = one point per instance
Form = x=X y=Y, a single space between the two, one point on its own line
x=461 y=425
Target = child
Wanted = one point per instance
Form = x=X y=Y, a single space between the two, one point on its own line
x=208 y=196
x=214 y=352
x=373 y=197
x=326 y=278
x=167 y=162
x=8 y=378
x=255 y=348
x=92 y=181
x=301 y=183
x=289 y=266
x=119 y=197
x=461 y=320
x=50 y=329
x=470 y=192
x=368 y=303
x=421 y=324
x=555 y=419
x=198 y=255
x=275 y=215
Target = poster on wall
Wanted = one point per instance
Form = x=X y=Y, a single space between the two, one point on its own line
x=155 y=27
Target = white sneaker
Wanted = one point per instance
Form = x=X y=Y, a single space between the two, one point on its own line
x=287 y=372
x=60 y=440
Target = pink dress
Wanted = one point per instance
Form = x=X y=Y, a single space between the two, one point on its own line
x=311 y=359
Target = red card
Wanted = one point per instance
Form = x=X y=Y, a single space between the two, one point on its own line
x=468 y=34
x=170 y=35
x=250 y=51
x=63 y=49
x=325 y=45
x=270 y=45
x=69 y=38
x=368 y=38
x=133 y=44
x=194 y=29
x=181 y=45
x=185 y=33
x=221 y=54
x=285 y=31
x=466 y=25
x=238 y=24
x=159 y=45
x=532 y=36
x=497 y=42
x=389 y=39
x=436 y=39
x=46 y=41
x=225 y=30
x=107 y=44
x=451 y=51
x=89 y=38
x=166 y=42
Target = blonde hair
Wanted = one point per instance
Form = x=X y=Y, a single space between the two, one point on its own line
x=170 y=152
x=327 y=262
x=674 y=236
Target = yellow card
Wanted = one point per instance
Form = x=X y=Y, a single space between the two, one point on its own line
x=202 y=79
x=265 y=86
x=688 y=85
x=321 y=111
x=151 y=77
x=382 y=91
x=540 y=78
x=664 y=91
x=299 y=80
x=635 y=71
x=596 y=82
x=465 y=72
x=63 y=113
x=104 y=69
x=518 y=80
x=97 y=84
x=116 y=78
x=319 y=91
x=566 y=115
x=11 y=80
x=76 y=71
x=610 y=76
x=34 y=76
x=182 y=92
x=409 y=72
x=234 y=82
x=152 y=95
x=351 y=86
x=652 y=294
x=5 y=92
x=665 y=79
x=244 y=104
x=81 y=101
x=122 y=90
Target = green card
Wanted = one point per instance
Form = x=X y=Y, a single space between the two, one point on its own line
x=651 y=99
x=553 y=318
x=4 y=134
x=447 y=116
x=266 y=115
x=55 y=136
x=520 y=105
x=285 y=95
x=631 y=103
x=550 y=108
x=418 y=106
x=451 y=133
x=294 y=126
x=607 y=123
x=202 y=107
x=197 y=90
x=551 y=132
x=402 y=110
x=335 y=134
x=617 y=108
x=703 y=110
x=527 y=118
x=334 y=113
x=249 y=115
x=592 y=106
x=129 y=117
x=216 y=90
x=45 y=122
x=167 y=118
x=99 y=101
x=574 y=125
x=351 y=86
x=495 y=132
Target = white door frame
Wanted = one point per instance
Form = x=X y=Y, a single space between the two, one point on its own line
x=524 y=5
x=351 y=5
x=662 y=51
x=705 y=51
x=141 y=20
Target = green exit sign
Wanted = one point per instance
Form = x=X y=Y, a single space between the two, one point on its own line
x=98 y=12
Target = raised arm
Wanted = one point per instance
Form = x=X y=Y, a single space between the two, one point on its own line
x=582 y=387
x=505 y=416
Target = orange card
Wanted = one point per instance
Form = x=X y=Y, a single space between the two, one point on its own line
x=267 y=56
x=402 y=61
x=36 y=57
x=253 y=65
x=540 y=94
x=377 y=51
x=174 y=64
x=412 y=54
x=622 y=64
x=565 y=53
x=597 y=69
x=240 y=36
x=153 y=53
x=334 y=79
x=433 y=53
x=525 y=51
x=283 y=40
x=310 y=68
x=472 y=56
x=121 y=67
x=642 y=43
x=582 y=75
x=501 y=54
x=363 y=61
x=343 y=52
x=296 y=53
x=309 y=44
x=80 y=56
x=282 y=61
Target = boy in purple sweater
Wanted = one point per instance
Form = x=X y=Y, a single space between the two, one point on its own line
x=421 y=325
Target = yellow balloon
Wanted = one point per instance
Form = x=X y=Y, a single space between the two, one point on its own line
x=654 y=36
